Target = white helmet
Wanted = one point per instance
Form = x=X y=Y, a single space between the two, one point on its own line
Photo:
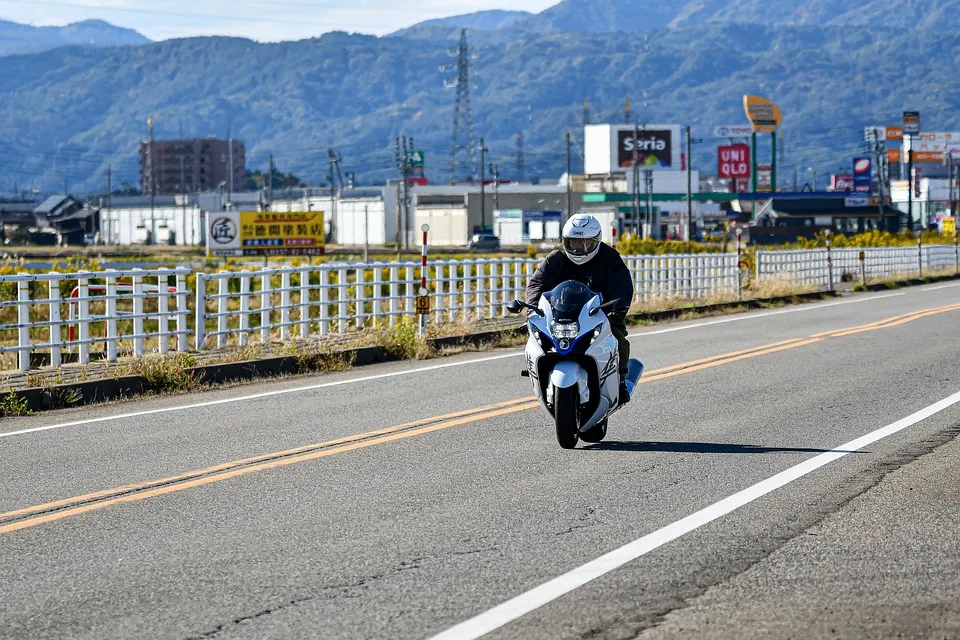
x=581 y=238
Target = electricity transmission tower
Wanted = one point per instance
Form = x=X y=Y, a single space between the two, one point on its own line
x=463 y=140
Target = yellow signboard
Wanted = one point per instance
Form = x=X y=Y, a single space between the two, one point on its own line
x=764 y=114
x=948 y=225
x=275 y=233
x=265 y=233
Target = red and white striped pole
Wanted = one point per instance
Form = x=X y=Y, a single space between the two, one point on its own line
x=739 y=265
x=829 y=261
x=613 y=237
x=920 y=253
x=424 y=292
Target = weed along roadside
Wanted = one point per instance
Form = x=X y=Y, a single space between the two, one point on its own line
x=188 y=372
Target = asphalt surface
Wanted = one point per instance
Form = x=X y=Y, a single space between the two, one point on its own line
x=412 y=531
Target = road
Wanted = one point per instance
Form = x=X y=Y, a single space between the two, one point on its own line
x=785 y=473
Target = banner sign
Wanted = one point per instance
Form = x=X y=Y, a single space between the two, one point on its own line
x=265 y=233
x=764 y=114
x=842 y=182
x=862 y=173
x=654 y=148
x=733 y=161
x=911 y=123
x=734 y=131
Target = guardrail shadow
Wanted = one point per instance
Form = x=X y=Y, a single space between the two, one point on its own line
x=701 y=447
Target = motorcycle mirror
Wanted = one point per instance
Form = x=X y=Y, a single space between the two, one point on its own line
x=515 y=306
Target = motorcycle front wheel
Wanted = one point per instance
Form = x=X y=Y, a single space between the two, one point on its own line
x=596 y=433
x=566 y=416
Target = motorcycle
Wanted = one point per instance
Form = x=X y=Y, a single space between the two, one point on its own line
x=573 y=361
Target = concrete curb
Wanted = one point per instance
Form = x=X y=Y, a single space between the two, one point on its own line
x=911 y=282
x=104 y=390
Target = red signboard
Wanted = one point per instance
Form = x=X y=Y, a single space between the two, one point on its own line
x=841 y=182
x=733 y=161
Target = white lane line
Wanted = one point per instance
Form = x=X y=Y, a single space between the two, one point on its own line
x=380 y=376
x=942 y=286
x=253 y=396
x=561 y=585
x=763 y=314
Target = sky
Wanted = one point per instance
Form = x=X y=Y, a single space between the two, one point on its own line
x=263 y=20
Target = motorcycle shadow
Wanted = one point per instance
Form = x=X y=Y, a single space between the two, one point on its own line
x=699 y=447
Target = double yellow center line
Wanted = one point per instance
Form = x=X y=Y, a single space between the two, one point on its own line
x=51 y=511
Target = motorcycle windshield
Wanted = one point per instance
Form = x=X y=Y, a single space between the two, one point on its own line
x=568 y=300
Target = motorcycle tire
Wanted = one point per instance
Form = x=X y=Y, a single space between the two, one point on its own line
x=596 y=433
x=566 y=415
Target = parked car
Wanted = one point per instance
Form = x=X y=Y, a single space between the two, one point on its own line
x=485 y=242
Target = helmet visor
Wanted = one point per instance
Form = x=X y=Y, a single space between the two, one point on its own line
x=580 y=246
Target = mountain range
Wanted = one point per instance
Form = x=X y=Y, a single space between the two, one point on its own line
x=69 y=113
x=21 y=38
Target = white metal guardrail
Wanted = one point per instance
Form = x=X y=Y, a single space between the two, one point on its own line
x=74 y=311
x=139 y=310
x=810 y=266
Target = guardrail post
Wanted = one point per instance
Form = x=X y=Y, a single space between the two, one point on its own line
x=285 y=305
x=377 y=293
x=342 y=308
x=223 y=290
x=83 y=319
x=111 y=302
x=739 y=266
x=55 y=319
x=163 y=311
x=360 y=316
x=200 y=326
x=304 y=302
x=182 y=329
x=920 y=254
x=23 y=323
x=394 y=294
x=324 y=301
x=245 y=279
x=137 y=313
x=266 y=291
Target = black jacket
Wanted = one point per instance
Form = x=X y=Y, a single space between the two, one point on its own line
x=605 y=273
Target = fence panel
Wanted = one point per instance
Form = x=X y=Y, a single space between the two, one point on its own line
x=64 y=315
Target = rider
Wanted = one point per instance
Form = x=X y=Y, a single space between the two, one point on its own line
x=586 y=259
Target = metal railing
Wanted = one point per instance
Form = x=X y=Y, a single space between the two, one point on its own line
x=134 y=311
x=811 y=267
x=147 y=309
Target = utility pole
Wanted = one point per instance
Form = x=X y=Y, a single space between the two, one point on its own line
x=909 y=181
x=483 y=196
x=109 y=196
x=230 y=160
x=153 y=184
x=404 y=148
x=651 y=218
x=569 y=180
x=270 y=185
x=495 y=170
x=520 y=167
x=627 y=112
x=336 y=185
x=635 y=166
x=877 y=149
x=689 y=232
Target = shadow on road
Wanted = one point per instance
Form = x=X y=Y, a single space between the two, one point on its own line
x=699 y=447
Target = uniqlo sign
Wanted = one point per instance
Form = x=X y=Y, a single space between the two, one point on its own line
x=733 y=161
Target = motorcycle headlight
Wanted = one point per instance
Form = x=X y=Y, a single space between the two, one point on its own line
x=568 y=330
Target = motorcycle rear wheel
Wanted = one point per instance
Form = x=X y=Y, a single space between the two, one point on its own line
x=566 y=415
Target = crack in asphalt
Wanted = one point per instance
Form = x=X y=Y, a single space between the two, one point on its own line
x=342 y=590
x=632 y=627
